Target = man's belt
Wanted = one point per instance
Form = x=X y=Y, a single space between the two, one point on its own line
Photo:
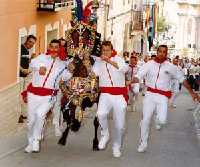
x=168 y=94
x=116 y=91
x=41 y=91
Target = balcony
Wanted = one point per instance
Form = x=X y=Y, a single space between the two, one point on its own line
x=182 y=1
x=191 y=2
x=53 y=5
x=137 y=22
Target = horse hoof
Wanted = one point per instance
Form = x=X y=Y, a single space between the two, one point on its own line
x=95 y=148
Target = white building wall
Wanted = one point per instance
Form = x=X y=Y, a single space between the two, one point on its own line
x=188 y=28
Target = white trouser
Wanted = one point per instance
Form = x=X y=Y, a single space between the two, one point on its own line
x=143 y=87
x=24 y=81
x=133 y=94
x=118 y=104
x=153 y=102
x=38 y=107
x=57 y=116
x=173 y=98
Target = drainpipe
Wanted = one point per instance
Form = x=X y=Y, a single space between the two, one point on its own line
x=105 y=19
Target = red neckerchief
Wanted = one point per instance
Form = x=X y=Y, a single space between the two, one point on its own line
x=62 y=54
x=160 y=61
x=114 y=53
x=49 y=52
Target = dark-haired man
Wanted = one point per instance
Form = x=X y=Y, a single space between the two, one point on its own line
x=47 y=71
x=111 y=71
x=25 y=55
x=158 y=74
x=24 y=68
x=134 y=87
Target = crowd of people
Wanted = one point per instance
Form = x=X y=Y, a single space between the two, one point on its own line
x=120 y=81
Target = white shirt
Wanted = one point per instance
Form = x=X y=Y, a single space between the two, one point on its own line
x=159 y=76
x=132 y=71
x=109 y=76
x=55 y=75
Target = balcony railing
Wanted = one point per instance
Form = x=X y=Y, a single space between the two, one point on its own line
x=53 y=5
x=191 y=2
x=137 y=22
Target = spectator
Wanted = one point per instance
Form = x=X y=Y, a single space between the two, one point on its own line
x=24 y=67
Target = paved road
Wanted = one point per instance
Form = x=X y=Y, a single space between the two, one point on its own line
x=174 y=146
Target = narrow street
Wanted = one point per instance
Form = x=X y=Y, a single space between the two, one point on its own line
x=78 y=49
x=174 y=146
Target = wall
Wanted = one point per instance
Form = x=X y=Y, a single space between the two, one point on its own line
x=14 y=15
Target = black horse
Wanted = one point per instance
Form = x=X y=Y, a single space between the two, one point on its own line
x=69 y=108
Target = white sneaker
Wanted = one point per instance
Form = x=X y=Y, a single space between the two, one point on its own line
x=36 y=146
x=158 y=127
x=142 y=147
x=103 y=142
x=174 y=105
x=28 y=149
x=58 y=132
x=116 y=152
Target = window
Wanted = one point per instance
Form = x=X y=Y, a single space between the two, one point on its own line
x=51 y=32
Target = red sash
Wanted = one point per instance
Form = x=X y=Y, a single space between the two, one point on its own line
x=41 y=91
x=116 y=91
x=168 y=94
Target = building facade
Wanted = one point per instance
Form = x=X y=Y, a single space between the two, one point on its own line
x=121 y=22
x=188 y=32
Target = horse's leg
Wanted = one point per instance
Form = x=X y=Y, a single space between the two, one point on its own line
x=95 y=140
x=63 y=139
x=76 y=123
x=67 y=117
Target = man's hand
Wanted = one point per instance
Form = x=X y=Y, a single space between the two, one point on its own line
x=128 y=83
x=71 y=67
x=25 y=71
x=33 y=55
x=195 y=96
x=42 y=70
x=92 y=75
x=107 y=59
